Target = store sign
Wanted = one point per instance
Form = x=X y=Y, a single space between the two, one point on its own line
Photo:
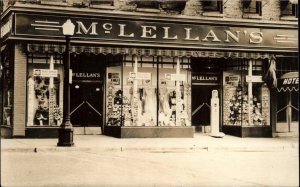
x=232 y=79
x=205 y=78
x=86 y=75
x=253 y=78
x=175 y=33
x=45 y=72
x=140 y=75
x=174 y=77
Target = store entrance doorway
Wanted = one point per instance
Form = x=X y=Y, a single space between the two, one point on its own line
x=201 y=96
x=87 y=105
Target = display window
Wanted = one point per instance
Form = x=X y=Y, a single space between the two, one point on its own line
x=7 y=91
x=44 y=92
x=246 y=97
x=148 y=91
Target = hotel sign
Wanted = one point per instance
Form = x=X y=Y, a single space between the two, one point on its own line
x=177 y=34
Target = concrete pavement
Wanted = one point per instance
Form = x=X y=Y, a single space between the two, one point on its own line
x=200 y=142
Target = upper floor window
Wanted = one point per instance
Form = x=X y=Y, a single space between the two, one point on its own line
x=252 y=7
x=289 y=8
x=102 y=2
x=147 y=4
x=213 y=5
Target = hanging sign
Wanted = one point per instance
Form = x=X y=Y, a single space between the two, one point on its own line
x=45 y=72
x=288 y=82
x=140 y=75
x=174 y=77
x=254 y=78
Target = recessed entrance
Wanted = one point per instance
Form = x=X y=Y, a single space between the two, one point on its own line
x=87 y=104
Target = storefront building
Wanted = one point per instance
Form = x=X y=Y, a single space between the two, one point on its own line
x=148 y=74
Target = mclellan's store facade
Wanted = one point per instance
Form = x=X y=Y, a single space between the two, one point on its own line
x=145 y=76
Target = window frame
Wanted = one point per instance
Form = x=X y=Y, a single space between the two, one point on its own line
x=248 y=7
x=284 y=9
x=213 y=8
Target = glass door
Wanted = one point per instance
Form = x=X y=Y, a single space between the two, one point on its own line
x=287 y=112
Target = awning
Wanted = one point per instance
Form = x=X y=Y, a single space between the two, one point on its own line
x=53 y=48
x=288 y=82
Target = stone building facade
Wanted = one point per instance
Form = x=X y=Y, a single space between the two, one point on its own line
x=160 y=33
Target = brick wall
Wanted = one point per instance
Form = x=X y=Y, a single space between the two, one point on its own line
x=232 y=9
x=19 y=101
x=270 y=10
x=193 y=8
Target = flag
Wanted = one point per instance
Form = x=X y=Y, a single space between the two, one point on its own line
x=270 y=75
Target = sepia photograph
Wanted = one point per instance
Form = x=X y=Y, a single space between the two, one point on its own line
x=149 y=93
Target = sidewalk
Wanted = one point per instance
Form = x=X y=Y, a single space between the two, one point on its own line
x=200 y=142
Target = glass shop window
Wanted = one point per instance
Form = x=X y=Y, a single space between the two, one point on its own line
x=288 y=8
x=148 y=91
x=213 y=6
x=252 y=7
x=7 y=89
x=44 y=92
x=240 y=107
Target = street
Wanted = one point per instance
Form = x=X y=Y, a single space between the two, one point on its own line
x=203 y=168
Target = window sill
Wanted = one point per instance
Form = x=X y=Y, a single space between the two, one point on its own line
x=288 y=18
x=213 y=14
x=149 y=10
x=107 y=7
x=252 y=16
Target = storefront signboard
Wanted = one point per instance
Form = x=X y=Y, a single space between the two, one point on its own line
x=165 y=33
x=86 y=75
x=45 y=72
x=198 y=78
x=257 y=78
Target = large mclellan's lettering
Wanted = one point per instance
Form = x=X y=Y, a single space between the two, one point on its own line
x=150 y=32
x=133 y=31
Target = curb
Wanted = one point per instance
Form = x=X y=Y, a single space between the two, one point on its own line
x=291 y=147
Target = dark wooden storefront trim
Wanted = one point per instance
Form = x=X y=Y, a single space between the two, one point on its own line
x=149 y=132
x=243 y=132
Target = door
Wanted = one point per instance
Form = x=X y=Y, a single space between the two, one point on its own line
x=287 y=112
x=87 y=104
x=201 y=95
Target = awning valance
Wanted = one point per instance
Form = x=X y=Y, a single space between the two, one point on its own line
x=288 y=82
x=51 y=48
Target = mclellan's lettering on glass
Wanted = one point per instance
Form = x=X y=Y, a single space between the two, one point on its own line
x=196 y=34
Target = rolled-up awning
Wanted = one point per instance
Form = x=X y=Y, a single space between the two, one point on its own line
x=288 y=82
x=55 y=48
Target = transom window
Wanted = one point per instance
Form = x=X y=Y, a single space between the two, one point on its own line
x=252 y=7
x=213 y=5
